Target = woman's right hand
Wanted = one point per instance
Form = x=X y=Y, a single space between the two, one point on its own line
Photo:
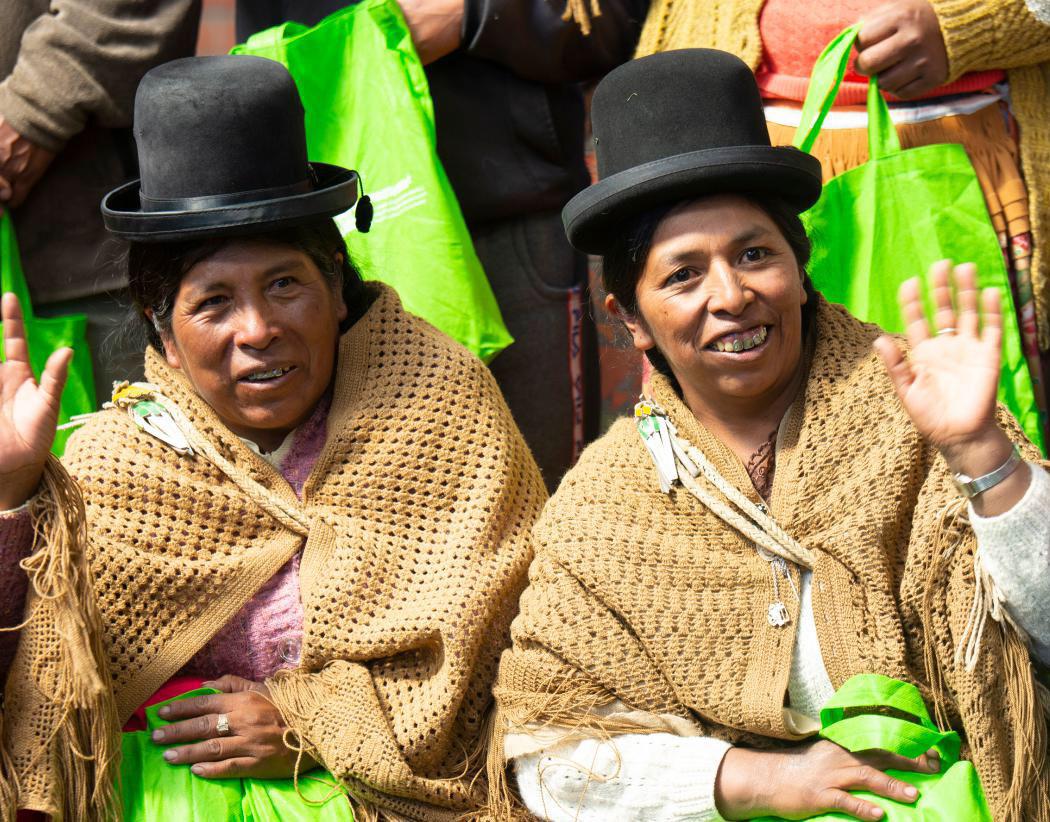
x=28 y=412
x=800 y=783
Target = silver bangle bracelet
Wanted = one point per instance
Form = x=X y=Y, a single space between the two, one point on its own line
x=972 y=486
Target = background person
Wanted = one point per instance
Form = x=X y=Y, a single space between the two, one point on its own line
x=68 y=73
x=504 y=76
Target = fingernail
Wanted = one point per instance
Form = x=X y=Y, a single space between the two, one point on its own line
x=877 y=813
x=158 y=735
x=170 y=755
x=164 y=710
x=911 y=792
x=197 y=769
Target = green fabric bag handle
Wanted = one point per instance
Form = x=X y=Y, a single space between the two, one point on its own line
x=824 y=83
x=272 y=38
x=11 y=277
x=842 y=724
x=867 y=690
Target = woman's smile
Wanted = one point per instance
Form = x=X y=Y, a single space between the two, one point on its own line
x=720 y=299
x=749 y=341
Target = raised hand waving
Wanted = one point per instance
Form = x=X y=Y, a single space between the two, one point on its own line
x=948 y=382
x=28 y=411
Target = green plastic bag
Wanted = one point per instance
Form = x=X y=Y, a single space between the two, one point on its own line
x=886 y=221
x=45 y=335
x=850 y=719
x=368 y=107
x=151 y=789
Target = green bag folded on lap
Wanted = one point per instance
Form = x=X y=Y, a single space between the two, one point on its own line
x=888 y=220
x=152 y=790
x=368 y=107
x=46 y=334
x=873 y=711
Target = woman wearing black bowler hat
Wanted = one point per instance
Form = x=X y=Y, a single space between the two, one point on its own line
x=318 y=506
x=796 y=501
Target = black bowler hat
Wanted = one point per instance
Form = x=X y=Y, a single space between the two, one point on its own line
x=222 y=150
x=678 y=125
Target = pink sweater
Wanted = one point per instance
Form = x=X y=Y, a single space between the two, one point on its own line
x=263 y=637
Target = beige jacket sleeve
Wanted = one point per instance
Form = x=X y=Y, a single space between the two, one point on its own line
x=993 y=34
x=83 y=59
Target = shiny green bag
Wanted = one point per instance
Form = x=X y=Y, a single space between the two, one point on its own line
x=874 y=711
x=45 y=335
x=368 y=107
x=886 y=221
x=151 y=789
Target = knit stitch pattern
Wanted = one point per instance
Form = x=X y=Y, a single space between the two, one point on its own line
x=418 y=510
x=651 y=599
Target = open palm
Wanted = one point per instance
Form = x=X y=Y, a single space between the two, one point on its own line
x=948 y=384
x=28 y=411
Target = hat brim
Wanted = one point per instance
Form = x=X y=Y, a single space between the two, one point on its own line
x=335 y=192
x=595 y=216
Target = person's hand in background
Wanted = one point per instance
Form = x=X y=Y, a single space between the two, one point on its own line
x=22 y=163
x=901 y=43
x=436 y=26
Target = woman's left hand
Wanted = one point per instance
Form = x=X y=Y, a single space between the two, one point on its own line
x=948 y=383
x=901 y=43
x=254 y=746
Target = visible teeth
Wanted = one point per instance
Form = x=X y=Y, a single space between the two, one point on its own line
x=267 y=375
x=742 y=343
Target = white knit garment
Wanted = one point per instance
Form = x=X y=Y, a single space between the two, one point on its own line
x=666 y=778
x=1040 y=10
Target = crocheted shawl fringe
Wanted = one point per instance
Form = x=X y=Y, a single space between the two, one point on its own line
x=84 y=740
x=575 y=648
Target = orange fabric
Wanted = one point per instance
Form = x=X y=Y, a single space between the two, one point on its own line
x=794 y=32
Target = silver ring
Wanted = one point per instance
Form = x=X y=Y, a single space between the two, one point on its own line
x=222 y=725
x=942 y=331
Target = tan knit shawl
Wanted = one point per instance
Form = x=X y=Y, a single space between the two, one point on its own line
x=651 y=599
x=992 y=34
x=415 y=521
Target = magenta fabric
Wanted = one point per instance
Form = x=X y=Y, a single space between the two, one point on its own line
x=169 y=690
x=266 y=634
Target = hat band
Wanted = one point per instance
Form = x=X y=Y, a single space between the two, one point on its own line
x=221 y=200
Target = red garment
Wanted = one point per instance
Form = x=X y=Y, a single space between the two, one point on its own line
x=172 y=688
x=795 y=32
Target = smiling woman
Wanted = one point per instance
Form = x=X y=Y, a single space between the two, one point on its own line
x=265 y=515
x=252 y=321
x=796 y=502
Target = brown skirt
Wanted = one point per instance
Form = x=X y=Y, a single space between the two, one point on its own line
x=990 y=139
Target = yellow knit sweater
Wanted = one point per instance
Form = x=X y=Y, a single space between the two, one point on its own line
x=991 y=34
x=414 y=526
x=652 y=599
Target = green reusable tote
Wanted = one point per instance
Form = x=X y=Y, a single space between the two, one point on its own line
x=856 y=718
x=368 y=107
x=44 y=335
x=886 y=221
x=150 y=789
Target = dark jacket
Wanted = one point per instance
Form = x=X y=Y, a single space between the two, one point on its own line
x=507 y=103
x=68 y=73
